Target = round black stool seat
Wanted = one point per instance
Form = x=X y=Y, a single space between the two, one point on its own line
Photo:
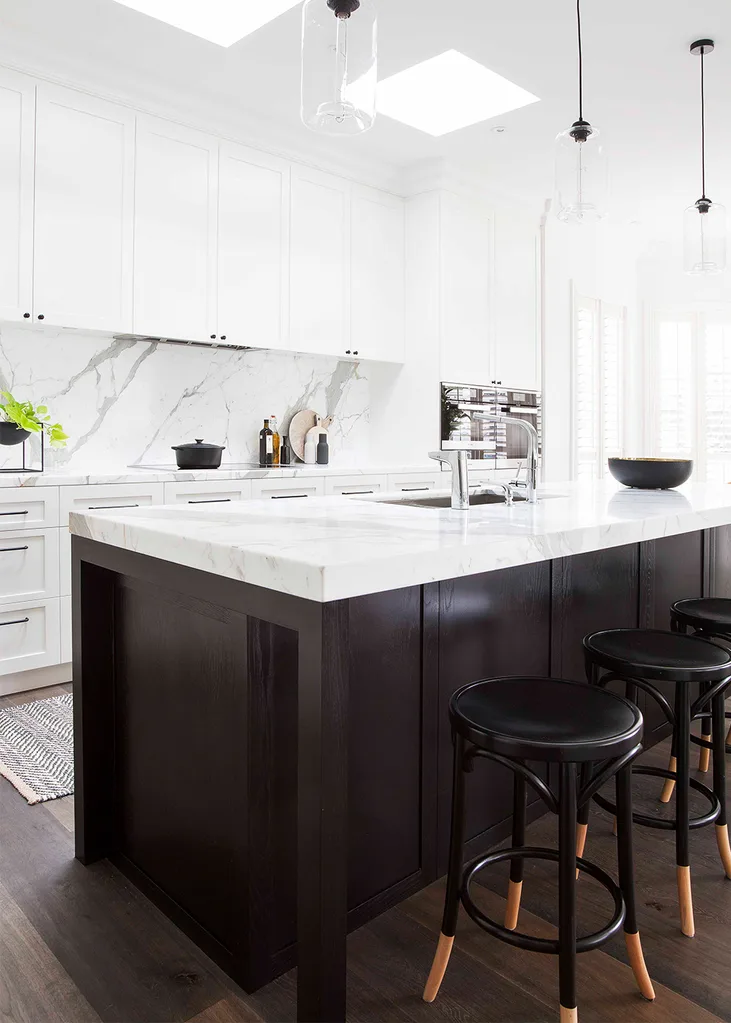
x=658 y=655
x=710 y=614
x=545 y=719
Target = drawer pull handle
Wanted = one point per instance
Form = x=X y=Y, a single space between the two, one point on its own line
x=211 y=500
x=24 y=512
x=412 y=490
x=7 y=550
x=109 y=507
x=17 y=621
x=348 y=493
x=284 y=497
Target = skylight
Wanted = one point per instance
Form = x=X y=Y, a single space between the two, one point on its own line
x=220 y=21
x=448 y=92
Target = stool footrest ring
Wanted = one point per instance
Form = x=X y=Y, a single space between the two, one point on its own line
x=698 y=741
x=527 y=941
x=663 y=824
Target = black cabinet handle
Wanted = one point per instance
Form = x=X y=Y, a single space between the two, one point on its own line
x=24 y=512
x=413 y=490
x=355 y=353
x=7 y=550
x=109 y=507
x=41 y=316
x=17 y=621
x=349 y=493
x=211 y=500
x=26 y=316
x=284 y=497
x=223 y=337
x=213 y=337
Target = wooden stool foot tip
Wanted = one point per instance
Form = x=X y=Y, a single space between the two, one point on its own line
x=724 y=847
x=669 y=786
x=569 y=1015
x=515 y=890
x=637 y=962
x=685 y=899
x=438 y=967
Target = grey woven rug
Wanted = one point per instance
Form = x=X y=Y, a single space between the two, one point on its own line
x=37 y=748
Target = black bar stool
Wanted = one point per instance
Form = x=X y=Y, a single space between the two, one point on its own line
x=510 y=721
x=710 y=618
x=644 y=659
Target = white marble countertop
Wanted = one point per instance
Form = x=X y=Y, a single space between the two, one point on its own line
x=338 y=547
x=130 y=474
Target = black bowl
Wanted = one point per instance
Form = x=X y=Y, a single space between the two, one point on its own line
x=651 y=473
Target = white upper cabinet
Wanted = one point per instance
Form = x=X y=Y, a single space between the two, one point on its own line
x=319 y=263
x=377 y=267
x=175 y=231
x=83 y=211
x=17 y=111
x=516 y=362
x=253 y=247
x=465 y=232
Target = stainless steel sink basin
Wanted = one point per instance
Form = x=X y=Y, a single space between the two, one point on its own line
x=444 y=501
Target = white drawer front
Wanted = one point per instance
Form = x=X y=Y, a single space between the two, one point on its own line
x=283 y=489
x=422 y=481
x=65 y=607
x=213 y=492
x=101 y=497
x=29 y=565
x=29 y=508
x=29 y=635
x=355 y=484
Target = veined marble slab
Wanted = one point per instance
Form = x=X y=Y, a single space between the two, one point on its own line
x=338 y=547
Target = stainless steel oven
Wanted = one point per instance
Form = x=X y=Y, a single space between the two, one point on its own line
x=490 y=444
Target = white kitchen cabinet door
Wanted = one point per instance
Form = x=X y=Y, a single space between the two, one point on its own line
x=465 y=290
x=282 y=490
x=29 y=635
x=346 y=486
x=516 y=301
x=208 y=492
x=175 y=231
x=83 y=211
x=28 y=565
x=17 y=119
x=377 y=270
x=253 y=247
x=319 y=257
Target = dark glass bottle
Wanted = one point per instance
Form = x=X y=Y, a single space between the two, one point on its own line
x=266 y=446
x=284 y=458
x=323 y=451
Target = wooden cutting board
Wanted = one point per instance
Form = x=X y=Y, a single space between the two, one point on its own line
x=299 y=425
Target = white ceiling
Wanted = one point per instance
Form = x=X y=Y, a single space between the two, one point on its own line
x=641 y=85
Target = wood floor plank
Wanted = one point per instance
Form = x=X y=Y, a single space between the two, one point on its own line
x=229 y=1010
x=63 y=810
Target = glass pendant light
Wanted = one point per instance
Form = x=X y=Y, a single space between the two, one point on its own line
x=704 y=223
x=339 y=66
x=581 y=165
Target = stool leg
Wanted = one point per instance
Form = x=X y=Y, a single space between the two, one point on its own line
x=682 y=809
x=704 y=755
x=582 y=818
x=719 y=779
x=567 y=892
x=627 y=882
x=669 y=786
x=515 y=884
x=454 y=876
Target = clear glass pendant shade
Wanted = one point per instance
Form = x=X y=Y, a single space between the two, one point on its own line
x=339 y=66
x=581 y=175
x=704 y=238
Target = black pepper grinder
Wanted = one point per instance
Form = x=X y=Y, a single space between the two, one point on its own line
x=323 y=451
x=284 y=449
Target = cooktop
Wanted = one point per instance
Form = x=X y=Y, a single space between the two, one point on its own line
x=225 y=467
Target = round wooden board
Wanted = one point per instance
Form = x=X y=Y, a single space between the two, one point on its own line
x=300 y=423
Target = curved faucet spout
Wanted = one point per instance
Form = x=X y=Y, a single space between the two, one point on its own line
x=532 y=433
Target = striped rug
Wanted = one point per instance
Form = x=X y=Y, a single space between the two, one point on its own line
x=37 y=748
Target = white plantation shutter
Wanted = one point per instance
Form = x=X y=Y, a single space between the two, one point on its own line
x=691 y=372
x=598 y=388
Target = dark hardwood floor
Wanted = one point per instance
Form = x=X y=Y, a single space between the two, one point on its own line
x=81 y=944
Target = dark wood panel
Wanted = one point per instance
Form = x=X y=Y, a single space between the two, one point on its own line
x=490 y=625
x=719 y=561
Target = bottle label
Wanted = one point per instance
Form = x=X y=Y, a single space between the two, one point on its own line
x=270 y=444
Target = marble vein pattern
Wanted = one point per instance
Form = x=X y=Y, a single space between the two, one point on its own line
x=127 y=402
x=333 y=548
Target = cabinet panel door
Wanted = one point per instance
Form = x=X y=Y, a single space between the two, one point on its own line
x=318 y=309
x=83 y=211
x=175 y=231
x=377 y=275
x=253 y=242
x=466 y=285
x=17 y=101
x=516 y=301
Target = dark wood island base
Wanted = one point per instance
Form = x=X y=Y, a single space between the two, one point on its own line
x=273 y=772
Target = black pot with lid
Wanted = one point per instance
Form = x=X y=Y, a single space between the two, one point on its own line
x=198 y=455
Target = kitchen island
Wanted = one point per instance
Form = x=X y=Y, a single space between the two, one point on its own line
x=260 y=691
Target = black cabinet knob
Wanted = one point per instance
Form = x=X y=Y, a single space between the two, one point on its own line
x=223 y=337
x=41 y=316
x=26 y=316
x=213 y=337
x=348 y=352
x=355 y=353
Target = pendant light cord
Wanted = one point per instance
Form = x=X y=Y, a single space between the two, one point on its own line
x=703 y=123
x=581 y=62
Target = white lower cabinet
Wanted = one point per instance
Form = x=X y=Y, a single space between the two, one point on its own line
x=345 y=485
x=418 y=481
x=282 y=489
x=103 y=497
x=29 y=508
x=29 y=635
x=215 y=492
x=29 y=565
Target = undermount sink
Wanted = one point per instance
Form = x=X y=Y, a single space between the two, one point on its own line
x=445 y=501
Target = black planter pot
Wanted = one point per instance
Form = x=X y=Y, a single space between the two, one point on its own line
x=11 y=434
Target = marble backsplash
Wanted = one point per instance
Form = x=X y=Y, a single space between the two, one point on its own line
x=126 y=402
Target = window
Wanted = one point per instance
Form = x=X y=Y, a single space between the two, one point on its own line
x=691 y=409
x=598 y=389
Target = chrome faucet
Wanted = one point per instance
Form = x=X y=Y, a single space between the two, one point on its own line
x=457 y=461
